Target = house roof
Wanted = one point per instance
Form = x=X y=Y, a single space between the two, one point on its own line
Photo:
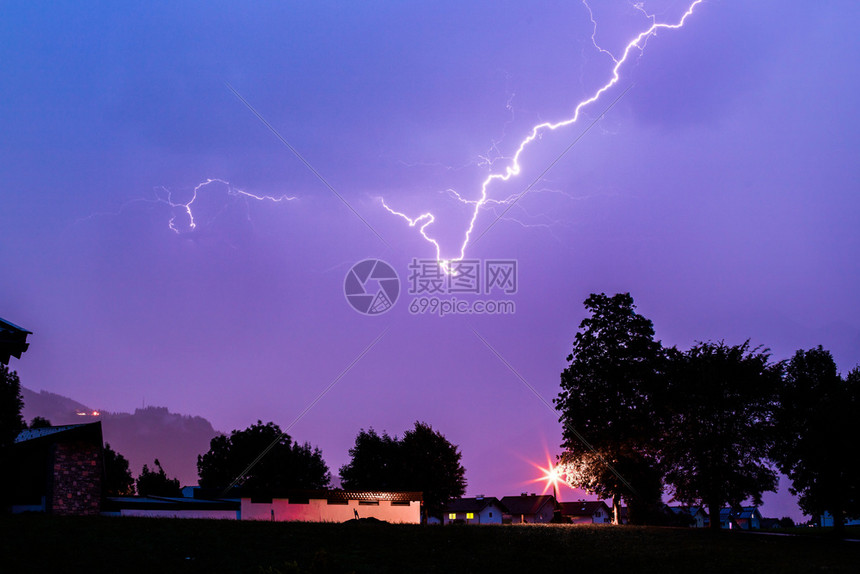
x=520 y=505
x=744 y=512
x=65 y=432
x=344 y=495
x=473 y=504
x=583 y=508
x=13 y=341
x=689 y=510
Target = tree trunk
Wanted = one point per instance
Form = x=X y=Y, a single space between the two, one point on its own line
x=714 y=516
x=616 y=510
x=838 y=522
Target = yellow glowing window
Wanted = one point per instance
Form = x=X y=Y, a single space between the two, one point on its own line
x=470 y=515
x=452 y=516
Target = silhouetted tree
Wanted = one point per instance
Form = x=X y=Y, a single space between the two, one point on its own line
x=11 y=423
x=155 y=482
x=374 y=460
x=720 y=430
x=817 y=418
x=432 y=466
x=39 y=423
x=609 y=406
x=118 y=479
x=286 y=465
x=423 y=461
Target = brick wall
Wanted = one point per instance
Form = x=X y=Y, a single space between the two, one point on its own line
x=76 y=481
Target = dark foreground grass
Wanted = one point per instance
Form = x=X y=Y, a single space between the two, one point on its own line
x=54 y=544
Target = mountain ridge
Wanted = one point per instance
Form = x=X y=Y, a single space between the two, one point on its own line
x=142 y=436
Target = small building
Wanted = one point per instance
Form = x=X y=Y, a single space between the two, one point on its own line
x=13 y=341
x=335 y=506
x=586 y=512
x=529 y=508
x=826 y=520
x=478 y=510
x=59 y=469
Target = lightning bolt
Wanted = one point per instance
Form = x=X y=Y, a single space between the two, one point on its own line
x=164 y=195
x=637 y=44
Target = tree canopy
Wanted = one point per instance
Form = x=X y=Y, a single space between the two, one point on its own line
x=423 y=460
x=11 y=423
x=118 y=480
x=287 y=465
x=155 y=482
x=609 y=407
x=720 y=425
x=817 y=417
x=39 y=423
x=11 y=403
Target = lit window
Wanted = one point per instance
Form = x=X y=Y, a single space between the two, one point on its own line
x=470 y=515
x=452 y=516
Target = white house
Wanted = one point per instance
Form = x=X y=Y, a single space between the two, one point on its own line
x=586 y=512
x=746 y=518
x=335 y=506
x=529 y=508
x=478 y=510
x=697 y=517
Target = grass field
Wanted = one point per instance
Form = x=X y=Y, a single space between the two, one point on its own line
x=53 y=544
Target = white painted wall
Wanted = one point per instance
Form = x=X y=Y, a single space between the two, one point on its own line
x=215 y=514
x=319 y=510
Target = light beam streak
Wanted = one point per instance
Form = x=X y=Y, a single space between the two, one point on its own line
x=514 y=167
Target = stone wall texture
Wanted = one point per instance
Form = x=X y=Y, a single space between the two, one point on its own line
x=76 y=480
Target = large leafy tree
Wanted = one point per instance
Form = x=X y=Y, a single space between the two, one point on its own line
x=375 y=462
x=118 y=479
x=285 y=465
x=11 y=403
x=423 y=460
x=156 y=482
x=610 y=408
x=11 y=423
x=720 y=428
x=817 y=418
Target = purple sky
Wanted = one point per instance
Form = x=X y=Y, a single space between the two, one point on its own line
x=721 y=191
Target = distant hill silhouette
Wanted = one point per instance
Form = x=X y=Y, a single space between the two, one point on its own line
x=141 y=437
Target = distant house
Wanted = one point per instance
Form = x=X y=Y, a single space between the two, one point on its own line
x=59 y=470
x=529 y=508
x=826 y=520
x=745 y=518
x=693 y=516
x=13 y=341
x=586 y=512
x=478 y=510
x=335 y=506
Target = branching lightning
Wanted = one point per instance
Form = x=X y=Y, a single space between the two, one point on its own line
x=164 y=195
x=514 y=167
